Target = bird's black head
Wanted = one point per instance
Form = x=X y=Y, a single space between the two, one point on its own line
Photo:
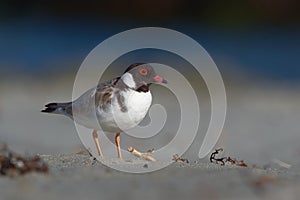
x=139 y=75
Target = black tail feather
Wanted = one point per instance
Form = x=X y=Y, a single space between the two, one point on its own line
x=51 y=107
x=59 y=108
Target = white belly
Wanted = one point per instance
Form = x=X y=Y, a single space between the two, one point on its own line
x=114 y=120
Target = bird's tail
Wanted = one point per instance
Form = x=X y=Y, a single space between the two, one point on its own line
x=59 y=108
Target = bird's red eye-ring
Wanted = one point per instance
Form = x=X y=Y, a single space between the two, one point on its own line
x=143 y=72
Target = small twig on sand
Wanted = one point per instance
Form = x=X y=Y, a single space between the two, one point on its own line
x=177 y=158
x=217 y=160
x=145 y=156
x=228 y=159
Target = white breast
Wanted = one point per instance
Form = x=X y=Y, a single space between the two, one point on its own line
x=137 y=103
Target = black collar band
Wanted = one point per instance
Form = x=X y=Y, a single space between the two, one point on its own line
x=143 y=88
x=120 y=84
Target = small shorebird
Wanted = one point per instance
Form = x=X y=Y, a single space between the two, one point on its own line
x=119 y=104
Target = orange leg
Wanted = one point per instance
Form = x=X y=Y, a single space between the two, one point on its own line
x=95 y=136
x=117 y=140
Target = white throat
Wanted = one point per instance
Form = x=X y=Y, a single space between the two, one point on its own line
x=128 y=80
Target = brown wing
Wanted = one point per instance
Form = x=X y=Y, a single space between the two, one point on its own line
x=104 y=91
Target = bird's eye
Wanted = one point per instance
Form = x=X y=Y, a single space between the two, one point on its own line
x=143 y=72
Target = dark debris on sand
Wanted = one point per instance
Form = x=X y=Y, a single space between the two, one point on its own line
x=224 y=160
x=13 y=164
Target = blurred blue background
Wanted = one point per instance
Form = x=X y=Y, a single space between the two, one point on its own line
x=260 y=37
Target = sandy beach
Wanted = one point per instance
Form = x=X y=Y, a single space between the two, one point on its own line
x=262 y=127
x=79 y=176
